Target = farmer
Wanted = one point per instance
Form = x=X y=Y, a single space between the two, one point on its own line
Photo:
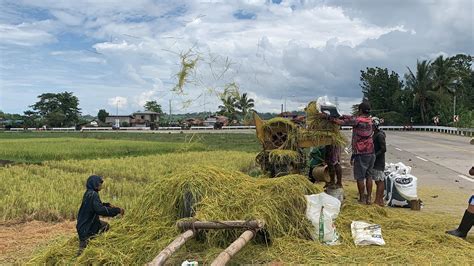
x=363 y=156
x=88 y=223
x=333 y=161
x=377 y=171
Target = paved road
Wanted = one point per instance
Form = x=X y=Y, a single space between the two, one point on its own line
x=438 y=160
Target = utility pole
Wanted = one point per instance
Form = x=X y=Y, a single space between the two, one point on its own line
x=281 y=108
x=170 y=114
x=454 y=105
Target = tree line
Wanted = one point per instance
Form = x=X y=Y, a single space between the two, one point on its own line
x=62 y=110
x=440 y=88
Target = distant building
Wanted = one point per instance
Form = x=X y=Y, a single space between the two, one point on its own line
x=137 y=119
x=298 y=119
x=192 y=122
x=144 y=119
x=118 y=119
x=288 y=115
x=216 y=121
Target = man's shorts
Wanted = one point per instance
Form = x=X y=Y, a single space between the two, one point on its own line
x=363 y=163
x=377 y=175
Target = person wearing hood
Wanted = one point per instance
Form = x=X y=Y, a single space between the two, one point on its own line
x=88 y=223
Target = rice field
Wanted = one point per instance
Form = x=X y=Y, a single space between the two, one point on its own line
x=53 y=191
x=150 y=183
x=46 y=149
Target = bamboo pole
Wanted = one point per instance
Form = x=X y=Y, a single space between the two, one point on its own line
x=171 y=248
x=202 y=225
x=235 y=247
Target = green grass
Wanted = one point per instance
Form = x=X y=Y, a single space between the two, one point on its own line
x=210 y=141
x=46 y=149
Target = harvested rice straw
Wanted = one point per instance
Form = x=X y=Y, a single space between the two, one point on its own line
x=411 y=237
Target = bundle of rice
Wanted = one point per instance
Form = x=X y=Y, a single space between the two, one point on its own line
x=317 y=121
x=411 y=237
x=284 y=157
x=279 y=133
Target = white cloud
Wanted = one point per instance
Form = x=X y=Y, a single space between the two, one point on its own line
x=67 y=18
x=25 y=34
x=306 y=48
x=118 y=102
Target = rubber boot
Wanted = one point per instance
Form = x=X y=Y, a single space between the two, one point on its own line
x=464 y=227
x=82 y=246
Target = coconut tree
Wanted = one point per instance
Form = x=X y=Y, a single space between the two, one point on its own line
x=245 y=104
x=421 y=83
x=229 y=107
x=444 y=75
x=444 y=83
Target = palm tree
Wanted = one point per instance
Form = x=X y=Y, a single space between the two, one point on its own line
x=421 y=84
x=444 y=83
x=228 y=107
x=444 y=75
x=245 y=104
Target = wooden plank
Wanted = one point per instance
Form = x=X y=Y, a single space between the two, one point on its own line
x=226 y=255
x=166 y=253
x=203 y=225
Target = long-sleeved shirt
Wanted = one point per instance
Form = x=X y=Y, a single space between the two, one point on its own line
x=88 y=223
x=380 y=149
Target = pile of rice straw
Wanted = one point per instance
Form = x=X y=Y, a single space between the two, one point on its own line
x=411 y=237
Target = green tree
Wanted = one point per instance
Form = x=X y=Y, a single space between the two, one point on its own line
x=421 y=83
x=31 y=119
x=229 y=107
x=58 y=109
x=464 y=81
x=153 y=106
x=102 y=115
x=245 y=104
x=380 y=88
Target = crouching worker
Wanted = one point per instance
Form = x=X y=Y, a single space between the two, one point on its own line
x=88 y=223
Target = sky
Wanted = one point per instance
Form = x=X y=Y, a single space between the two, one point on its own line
x=116 y=55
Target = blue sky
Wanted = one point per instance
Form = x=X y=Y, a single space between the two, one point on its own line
x=123 y=53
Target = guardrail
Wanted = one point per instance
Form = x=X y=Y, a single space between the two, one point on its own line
x=448 y=130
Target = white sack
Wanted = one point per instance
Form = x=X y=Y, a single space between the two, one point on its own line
x=331 y=210
x=365 y=234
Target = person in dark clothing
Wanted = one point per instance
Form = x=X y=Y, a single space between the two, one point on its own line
x=88 y=223
x=379 y=166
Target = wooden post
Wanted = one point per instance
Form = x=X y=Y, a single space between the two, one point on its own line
x=235 y=247
x=171 y=248
x=202 y=225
